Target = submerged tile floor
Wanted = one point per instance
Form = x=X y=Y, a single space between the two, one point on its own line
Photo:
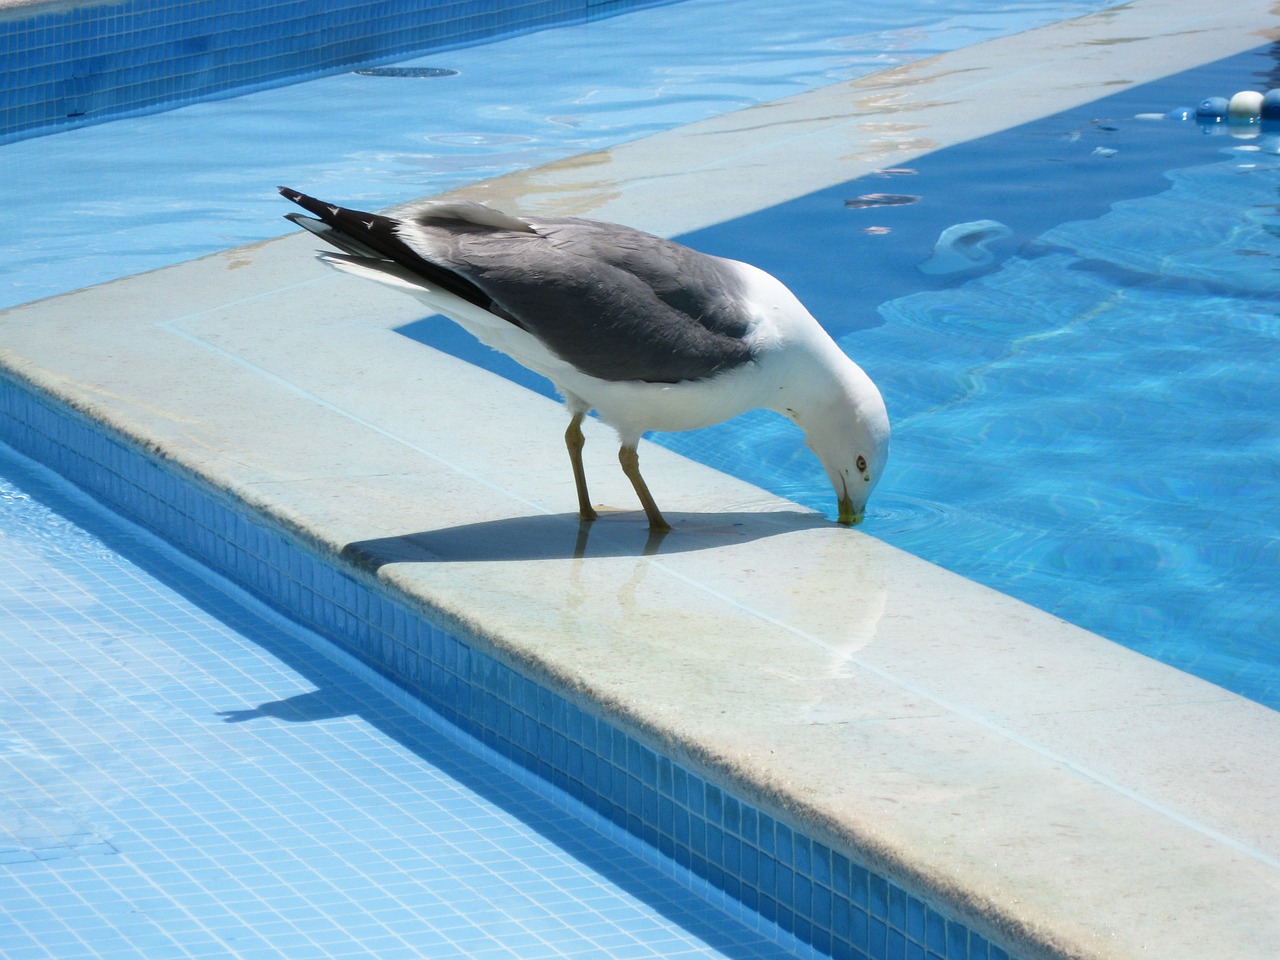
x=185 y=777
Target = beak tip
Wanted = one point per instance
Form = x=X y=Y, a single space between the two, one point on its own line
x=848 y=516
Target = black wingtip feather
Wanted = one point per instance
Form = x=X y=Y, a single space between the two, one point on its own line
x=374 y=236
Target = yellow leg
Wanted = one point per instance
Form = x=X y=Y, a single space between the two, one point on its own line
x=574 y=440
x=630 y=461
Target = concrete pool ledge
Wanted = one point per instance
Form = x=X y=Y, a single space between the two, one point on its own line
x=1062 y=796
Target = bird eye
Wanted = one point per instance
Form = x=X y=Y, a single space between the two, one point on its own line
x=862 y=463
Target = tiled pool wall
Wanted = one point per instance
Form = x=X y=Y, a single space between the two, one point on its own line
x=63 y=64
x=809 y=890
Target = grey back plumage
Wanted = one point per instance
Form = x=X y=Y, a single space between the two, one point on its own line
x=617 y=303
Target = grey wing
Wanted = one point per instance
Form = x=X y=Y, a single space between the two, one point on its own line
x=617 y=303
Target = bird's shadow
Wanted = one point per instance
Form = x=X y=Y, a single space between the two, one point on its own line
x=323 y=704
x=565 y=536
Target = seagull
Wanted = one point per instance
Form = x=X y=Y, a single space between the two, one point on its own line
x=650 y=334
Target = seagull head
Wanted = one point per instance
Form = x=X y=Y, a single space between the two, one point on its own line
x=816 y=385
x=848 y=429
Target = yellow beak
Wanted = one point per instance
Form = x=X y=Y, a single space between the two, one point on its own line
x=848 y=516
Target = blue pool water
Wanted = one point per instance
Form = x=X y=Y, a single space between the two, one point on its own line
x=184 y=775
x=120 y=198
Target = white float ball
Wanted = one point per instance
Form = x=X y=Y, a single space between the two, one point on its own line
x=1245 y=105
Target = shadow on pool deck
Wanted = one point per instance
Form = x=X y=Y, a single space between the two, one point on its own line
x=564 y=536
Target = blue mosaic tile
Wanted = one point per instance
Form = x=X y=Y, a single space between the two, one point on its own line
x=760 y=867
x=92 y=62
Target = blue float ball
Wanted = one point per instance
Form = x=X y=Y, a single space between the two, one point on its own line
x=1182 y=113
x=1271 y=105
x=1212 y=108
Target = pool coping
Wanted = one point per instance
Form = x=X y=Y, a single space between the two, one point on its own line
x=1062 y=795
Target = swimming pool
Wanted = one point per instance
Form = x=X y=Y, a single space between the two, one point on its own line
x=904 y=912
